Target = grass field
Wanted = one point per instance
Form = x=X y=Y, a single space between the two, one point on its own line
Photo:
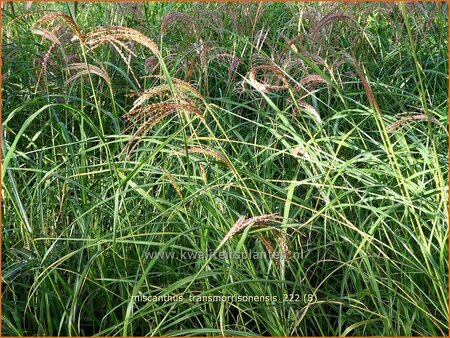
x=275 y=169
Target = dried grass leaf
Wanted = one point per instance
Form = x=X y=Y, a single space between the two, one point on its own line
x=307 y=108
x=265 y=87
x=208 y=152
x=180 y=17
x=106 y=34
x=326 y=20
x=150 y=115
x=404 y=120
x=50 y=18
x=243 y=222
x=83 y=69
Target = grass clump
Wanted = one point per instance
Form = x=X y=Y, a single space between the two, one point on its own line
x=166 y=163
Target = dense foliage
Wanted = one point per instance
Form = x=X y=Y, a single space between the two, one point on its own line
x=157 y=154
